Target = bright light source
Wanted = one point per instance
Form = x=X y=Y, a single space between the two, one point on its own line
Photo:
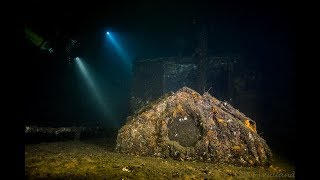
x=105 y=109
x=121 y=52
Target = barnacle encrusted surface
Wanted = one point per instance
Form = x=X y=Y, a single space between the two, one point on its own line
x=187 y=126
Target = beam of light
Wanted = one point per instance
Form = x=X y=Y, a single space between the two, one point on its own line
x=106 y=110
x=122 y=53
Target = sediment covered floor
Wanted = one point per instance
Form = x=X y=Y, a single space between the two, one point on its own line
x=96 y=159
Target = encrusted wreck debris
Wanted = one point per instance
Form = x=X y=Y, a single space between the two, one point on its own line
x=60 y=132
x=187 y=126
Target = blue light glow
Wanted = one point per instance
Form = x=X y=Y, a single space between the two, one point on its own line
x=121 y=52
x=96 y=93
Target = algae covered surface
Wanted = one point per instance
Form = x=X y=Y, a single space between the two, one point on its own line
x=188 y=126
x=97 y=159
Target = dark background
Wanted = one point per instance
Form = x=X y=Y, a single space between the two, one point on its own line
x=51 y=93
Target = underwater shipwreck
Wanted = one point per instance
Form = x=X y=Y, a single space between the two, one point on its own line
x=187 y=126
x=176 y=129
x=162 y=103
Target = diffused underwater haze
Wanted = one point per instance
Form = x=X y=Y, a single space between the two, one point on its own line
x=90 y=70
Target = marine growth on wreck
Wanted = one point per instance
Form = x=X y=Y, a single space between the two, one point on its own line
x=187 y=126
